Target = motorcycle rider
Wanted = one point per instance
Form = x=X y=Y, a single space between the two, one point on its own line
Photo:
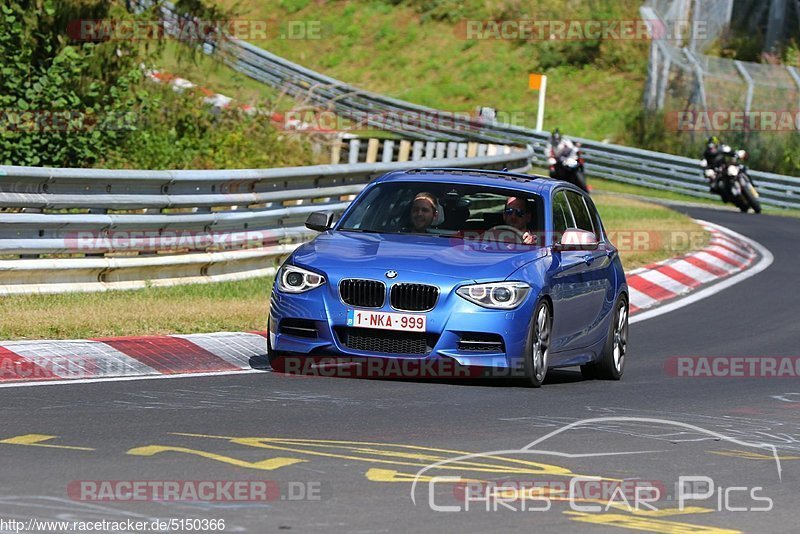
x=714 y=158
x=564 y=159
x=560 y=147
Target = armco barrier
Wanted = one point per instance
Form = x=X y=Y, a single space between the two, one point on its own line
x=614 y=162
x=93 y=229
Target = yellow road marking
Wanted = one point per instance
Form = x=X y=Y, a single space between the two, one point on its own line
x=265 y=465
x=348 y=449
x=35 y=440
x=390 y=475
x=647 y=524
x=752 y=455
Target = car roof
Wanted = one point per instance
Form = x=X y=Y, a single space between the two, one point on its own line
x=531 y=183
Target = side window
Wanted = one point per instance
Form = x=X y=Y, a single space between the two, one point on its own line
x=598 y=223
x=562 y=216
x=582 y=218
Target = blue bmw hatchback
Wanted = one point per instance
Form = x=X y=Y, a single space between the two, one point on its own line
x=486 y=270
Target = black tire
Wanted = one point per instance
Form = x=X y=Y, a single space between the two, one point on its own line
x=741 y=203
x=537 y=351
x=612 y=359
x=751 y=199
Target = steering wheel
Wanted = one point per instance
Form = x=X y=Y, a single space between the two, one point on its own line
x=504 y=231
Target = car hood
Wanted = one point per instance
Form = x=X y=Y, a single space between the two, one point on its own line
x=356 y=254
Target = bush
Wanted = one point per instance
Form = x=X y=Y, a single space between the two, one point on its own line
x=180 y=131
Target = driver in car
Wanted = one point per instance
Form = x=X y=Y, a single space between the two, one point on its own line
x=517 y=214
x=424 y=210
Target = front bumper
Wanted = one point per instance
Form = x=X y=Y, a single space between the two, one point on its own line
x=314 y=324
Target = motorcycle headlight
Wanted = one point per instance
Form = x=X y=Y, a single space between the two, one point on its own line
x=496 y=295
x=551 y=161
x=571 y=162
x=733 y=170
x=703 y=163
x=710 y=173
x=293 y=279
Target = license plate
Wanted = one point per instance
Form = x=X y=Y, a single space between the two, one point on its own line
x=386 y=321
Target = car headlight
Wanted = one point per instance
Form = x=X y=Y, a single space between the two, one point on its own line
x=496 y=295
x=733 y=170
x=293 y=279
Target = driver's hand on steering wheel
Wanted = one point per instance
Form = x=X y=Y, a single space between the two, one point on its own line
x=528 y=238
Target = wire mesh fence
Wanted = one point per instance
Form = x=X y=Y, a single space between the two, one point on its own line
x=681 y=77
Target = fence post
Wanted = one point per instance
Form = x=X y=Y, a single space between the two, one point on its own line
x=405 y=148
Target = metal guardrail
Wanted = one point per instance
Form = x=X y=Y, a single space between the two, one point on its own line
x=645 y=168
x=92 y=229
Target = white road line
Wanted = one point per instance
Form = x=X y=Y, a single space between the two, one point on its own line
x=126 y=378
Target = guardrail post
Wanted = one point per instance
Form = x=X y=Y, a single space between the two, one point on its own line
x=440 y=148
x=430 y=149
x=372 y=150
x=451 y=149
x=472 y=149
x=355 y=146
x=388 y=151
x=336 y=151
x=405 y=148
x=416 y=154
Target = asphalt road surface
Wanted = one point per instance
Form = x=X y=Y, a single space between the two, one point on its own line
x=340 y=455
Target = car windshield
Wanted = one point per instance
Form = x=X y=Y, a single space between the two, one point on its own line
x=447 y=210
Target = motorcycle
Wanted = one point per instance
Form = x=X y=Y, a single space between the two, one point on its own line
x=568 y=168
x=730 y=180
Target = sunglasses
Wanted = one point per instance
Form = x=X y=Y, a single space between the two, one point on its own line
x=515 y=211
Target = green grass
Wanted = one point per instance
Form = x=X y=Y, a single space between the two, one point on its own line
x=413 y=50
x=243 y=305
x=222 y=306
x=218 y=77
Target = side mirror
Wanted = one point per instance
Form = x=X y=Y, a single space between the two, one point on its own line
x=320 y=221
x=573 y=239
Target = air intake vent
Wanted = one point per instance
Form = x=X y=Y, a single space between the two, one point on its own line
x=298 y=328
x=480 y=342
x=414 y=297
x=386 y=341
x=362 y=293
